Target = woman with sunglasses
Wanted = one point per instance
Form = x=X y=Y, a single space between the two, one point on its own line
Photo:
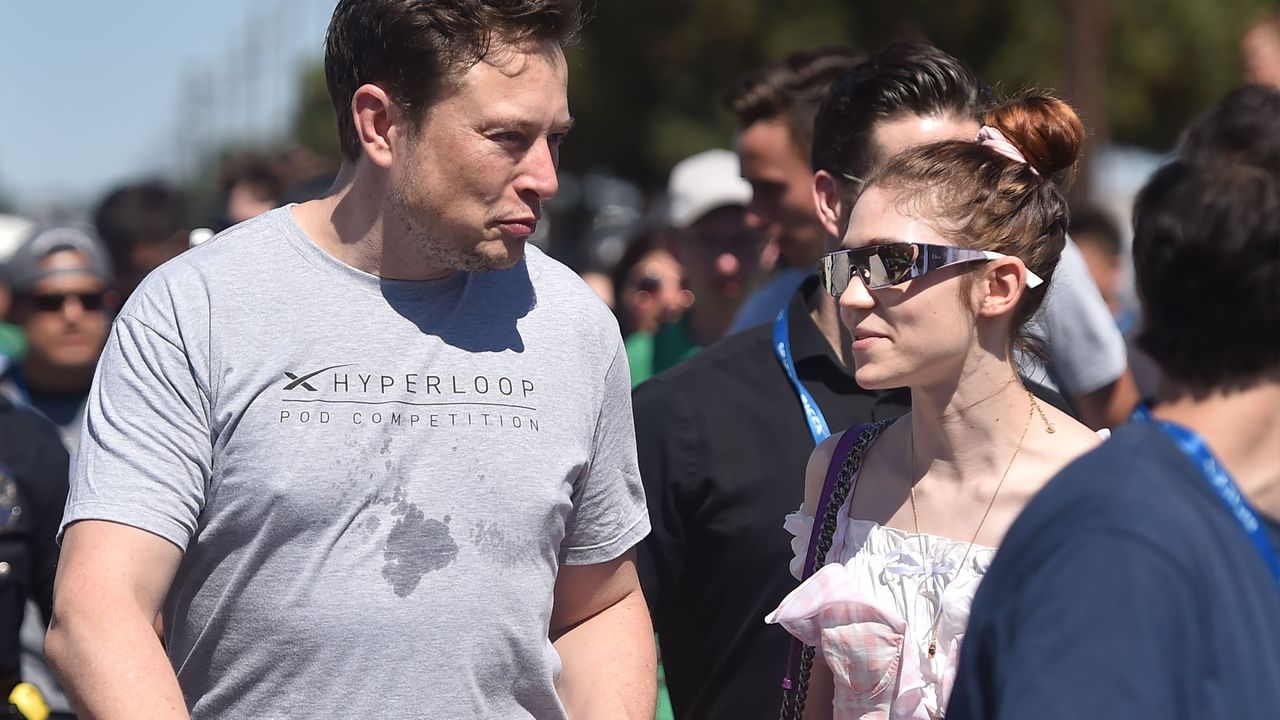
x=948 y=253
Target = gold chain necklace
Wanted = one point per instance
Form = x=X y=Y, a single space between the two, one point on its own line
x=937 y=617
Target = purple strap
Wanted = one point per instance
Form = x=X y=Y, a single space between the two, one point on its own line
x=843 y=446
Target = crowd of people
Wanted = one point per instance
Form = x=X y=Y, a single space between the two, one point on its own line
x=863 y=423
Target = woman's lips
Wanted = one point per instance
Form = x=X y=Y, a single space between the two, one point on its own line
x=863 y=340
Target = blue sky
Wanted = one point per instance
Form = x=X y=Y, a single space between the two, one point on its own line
x=93 y=93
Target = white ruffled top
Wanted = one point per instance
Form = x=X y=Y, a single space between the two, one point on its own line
x=871 y=608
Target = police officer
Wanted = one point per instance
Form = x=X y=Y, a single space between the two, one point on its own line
x=33 y=490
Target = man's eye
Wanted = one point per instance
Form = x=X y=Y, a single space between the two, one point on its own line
x=507 y=138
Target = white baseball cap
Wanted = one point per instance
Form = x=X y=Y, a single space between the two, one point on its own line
x=704 y=182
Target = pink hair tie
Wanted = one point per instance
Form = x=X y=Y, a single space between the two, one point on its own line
x=994 y=139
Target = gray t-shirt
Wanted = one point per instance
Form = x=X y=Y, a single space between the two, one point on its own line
x=1086 y=349
x=374 y=482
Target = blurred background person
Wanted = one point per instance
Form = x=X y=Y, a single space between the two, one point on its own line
x=1260 y=49
x=713 y=242
x=602 y=283
x=251 y=185
x=143 y=225
x=13 y=344
x=651 y=294
x=775 y=105
x=62 y=300
x=33 y=489
x=61 y=283
x=1100 y=243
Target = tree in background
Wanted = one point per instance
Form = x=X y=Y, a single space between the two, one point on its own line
x=647 y=78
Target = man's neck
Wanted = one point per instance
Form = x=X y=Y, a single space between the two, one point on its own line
x=826 y=315
x=44 y=380
x=353 y=223
x=1242 y=428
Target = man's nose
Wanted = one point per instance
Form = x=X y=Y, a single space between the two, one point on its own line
x=539 y=174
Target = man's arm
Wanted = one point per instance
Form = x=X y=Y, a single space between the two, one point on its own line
x=600 y=626
x=1110 y=405
x=111 y=582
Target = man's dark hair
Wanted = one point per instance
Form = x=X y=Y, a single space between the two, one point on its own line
x=1243 y=127
x=790 y=88
x=1091 y=224
x=143 y=213
x=1206 y=253
x=901 y=80
x=414 y=48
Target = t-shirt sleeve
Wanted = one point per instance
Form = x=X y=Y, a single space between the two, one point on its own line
x=145 y=451
x=1093 y=630
x=609 y=515
x=1086 y=349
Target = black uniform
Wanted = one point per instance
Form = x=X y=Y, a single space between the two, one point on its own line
x=33 y=490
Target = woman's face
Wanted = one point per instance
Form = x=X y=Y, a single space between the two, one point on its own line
x=914 y=333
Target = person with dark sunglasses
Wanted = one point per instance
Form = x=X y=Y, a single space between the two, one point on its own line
x=61 y=279
x=947 y=254
x=62 y=284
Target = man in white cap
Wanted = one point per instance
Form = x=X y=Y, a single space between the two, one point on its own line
x=706 y=214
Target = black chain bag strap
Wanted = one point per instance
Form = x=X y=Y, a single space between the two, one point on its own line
x=837 y=488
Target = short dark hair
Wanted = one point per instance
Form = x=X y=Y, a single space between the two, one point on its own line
x=1091 y=224
x=1243 y=127
x=142 y=213
x=790 y=88
x=413 y=48
x=1207 y=262
x=902 y=79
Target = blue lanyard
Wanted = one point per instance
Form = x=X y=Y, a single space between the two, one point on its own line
x=782 y=348
x=1194 y=447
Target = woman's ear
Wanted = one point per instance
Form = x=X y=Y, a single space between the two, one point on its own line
x=1003 y=282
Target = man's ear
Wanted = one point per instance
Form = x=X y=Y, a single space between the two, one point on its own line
x=375 y=116
x=1003 y=282
x=827 y=199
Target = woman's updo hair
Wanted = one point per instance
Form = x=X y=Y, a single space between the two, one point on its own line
x=977 y=197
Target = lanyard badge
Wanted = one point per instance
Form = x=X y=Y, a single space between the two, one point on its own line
x=1219 y=480
x=813 y=416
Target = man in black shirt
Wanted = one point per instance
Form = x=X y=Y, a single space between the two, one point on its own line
x=33 y=489
x=723 y=443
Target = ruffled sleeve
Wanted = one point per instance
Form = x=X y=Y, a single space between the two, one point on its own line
x=800 y=525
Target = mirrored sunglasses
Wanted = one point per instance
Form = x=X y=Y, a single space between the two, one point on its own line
x=881 y=266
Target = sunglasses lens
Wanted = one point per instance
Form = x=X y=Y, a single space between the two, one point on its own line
x=53 y=302
x=835 y=272
x=889 y=264
x=48 y=303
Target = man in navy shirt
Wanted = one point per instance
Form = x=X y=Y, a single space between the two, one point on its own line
x=1143 y=581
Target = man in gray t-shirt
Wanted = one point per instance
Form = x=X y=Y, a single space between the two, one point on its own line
x=368 y=456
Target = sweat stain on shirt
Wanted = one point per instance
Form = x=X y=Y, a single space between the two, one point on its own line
x=415 y=547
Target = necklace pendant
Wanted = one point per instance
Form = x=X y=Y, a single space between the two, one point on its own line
x=933 y=649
